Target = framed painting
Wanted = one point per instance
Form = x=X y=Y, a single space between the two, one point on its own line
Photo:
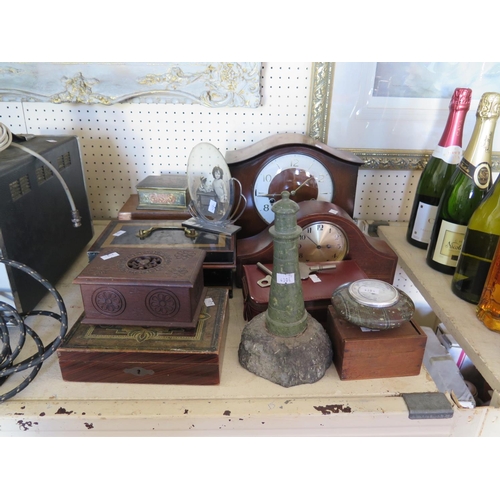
x=393 y=114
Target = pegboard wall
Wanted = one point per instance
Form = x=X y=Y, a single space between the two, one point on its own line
x=124 y=143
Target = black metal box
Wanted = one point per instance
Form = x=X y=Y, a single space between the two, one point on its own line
x=35 y=215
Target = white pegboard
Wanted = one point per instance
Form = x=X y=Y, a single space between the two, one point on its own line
x=385 y=195
x=124 y=143
x=12 y=115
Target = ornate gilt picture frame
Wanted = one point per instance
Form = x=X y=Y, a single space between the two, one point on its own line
x=322 y=84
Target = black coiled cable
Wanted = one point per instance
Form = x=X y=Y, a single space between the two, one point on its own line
x=11 y=320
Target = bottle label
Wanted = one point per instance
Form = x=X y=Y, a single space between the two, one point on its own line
x=480 y=174
x=424 y=221
x=449 y=154
x=449 y=243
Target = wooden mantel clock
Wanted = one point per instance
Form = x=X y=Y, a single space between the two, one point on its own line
x=328 y=234
x=305 y=167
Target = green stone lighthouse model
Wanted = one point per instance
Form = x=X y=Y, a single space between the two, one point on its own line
x=285 y=344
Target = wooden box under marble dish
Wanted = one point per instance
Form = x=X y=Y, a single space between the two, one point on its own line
x=149 y=355
x=145 y=287
x=363 y=354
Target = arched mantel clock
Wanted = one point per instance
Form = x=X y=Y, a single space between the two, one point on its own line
x=328 y=234
x=307 y=168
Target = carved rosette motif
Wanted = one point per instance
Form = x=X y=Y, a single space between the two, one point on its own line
x=108 y=301
x=144 y=262
x=162 y=302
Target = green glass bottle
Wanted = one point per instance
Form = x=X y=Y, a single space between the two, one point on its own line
x=465 y=191
x=438 y=171
x=478 y=249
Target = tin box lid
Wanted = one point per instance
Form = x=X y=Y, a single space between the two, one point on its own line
x=148 y=266
x=174 y=181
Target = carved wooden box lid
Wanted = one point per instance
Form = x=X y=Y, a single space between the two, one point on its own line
x=145 y=266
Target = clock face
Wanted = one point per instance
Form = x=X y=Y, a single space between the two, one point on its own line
x=303 y=176
x=285 y=162
x=374 y=293
x=321 y=242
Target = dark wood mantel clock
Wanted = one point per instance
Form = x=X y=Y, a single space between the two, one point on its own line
x=328 y=234
x=305 y=167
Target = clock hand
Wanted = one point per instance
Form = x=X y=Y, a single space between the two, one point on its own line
x=269 y=195
x=303 y=184
x=274 y=195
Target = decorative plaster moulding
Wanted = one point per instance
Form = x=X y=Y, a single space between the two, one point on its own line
x=212 y=84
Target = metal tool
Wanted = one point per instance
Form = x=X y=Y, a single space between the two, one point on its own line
x=266 y=281
x=304 y=270
x=145 y=233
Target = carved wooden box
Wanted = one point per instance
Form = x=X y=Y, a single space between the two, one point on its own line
x=360 y=354
x=149 y=355
x=220 y=257
x=146 y=287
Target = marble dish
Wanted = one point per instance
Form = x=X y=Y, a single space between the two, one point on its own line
x=372 y=304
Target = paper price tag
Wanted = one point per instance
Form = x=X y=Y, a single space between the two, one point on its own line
x=315 y=278
x=109 y=256
x=212 y=206
x=119 y=233
x=209 y=302
x=285 y=278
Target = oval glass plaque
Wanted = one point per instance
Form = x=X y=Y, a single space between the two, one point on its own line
x=209 y=183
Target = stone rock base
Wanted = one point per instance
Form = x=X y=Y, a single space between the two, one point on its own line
x=286 y=361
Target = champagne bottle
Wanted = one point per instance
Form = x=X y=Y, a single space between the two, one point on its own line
x=467 y=188
x=488 y=308
x=438 y=171
x=478 y=248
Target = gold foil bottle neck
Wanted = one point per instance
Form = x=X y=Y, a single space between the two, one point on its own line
x=479 y=147
x=489 y=105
